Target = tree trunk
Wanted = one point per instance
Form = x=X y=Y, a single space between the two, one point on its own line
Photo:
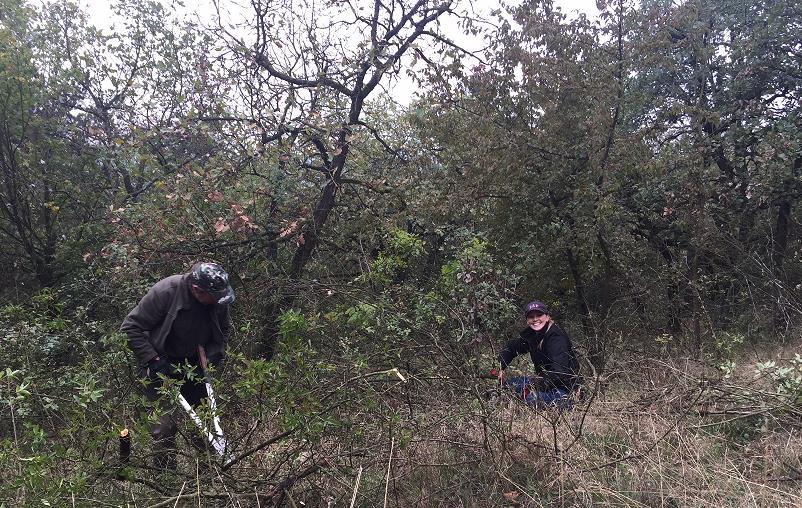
x=597 y=346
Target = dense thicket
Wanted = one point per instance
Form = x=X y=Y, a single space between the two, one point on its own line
x=639 y=172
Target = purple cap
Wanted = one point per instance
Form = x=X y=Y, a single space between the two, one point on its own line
x=536 y=306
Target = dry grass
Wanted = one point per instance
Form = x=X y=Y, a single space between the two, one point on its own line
x=660 y=434
x=657 y=433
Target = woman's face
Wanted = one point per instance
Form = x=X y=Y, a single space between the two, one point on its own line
x=537 y=320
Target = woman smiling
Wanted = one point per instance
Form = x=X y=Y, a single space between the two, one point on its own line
x=551 y=353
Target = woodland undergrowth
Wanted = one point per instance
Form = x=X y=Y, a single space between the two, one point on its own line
x=647 y=431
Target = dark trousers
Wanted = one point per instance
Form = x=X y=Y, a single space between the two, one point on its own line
x=164 y=431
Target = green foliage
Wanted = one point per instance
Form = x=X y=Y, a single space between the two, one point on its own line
x=292 y=325
x=402 y=250
x=786 y=379
x=481 y=289
x=361 y=317
x=743 y=431
x=727 y=344
x=60 y=398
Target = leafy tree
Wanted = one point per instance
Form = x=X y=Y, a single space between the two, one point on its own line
x=716 y=96
x=532 y=140
x=305 y=78
x=43 y=165
x=610 y=154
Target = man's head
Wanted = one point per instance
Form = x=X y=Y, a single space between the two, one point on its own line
x=537 y=315
x=210 y=284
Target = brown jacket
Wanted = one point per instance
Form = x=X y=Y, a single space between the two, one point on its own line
x=149 y=323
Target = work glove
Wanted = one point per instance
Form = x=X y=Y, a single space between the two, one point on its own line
x=158 y=365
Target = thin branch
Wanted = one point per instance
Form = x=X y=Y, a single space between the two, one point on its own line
x=258 y=447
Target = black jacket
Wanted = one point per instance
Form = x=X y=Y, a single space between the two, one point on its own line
x=150 y=322
x=551 y=352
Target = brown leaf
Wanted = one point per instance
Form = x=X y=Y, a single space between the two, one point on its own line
x=289 y=229
x=220 y=226
x=512 y=497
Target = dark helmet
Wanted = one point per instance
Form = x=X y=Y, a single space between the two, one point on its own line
x=212 y=279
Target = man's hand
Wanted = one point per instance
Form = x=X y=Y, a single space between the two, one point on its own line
x=500 y=376
x=156 y=366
